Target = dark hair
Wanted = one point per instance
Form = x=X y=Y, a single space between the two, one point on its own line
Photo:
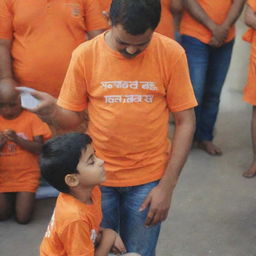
x=136 y=16
x=60 y=156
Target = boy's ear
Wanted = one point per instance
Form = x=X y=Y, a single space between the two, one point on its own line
x=72 y=180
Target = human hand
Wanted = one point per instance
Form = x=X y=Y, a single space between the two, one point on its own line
x=46 y=107
x=219 y=35
x=11 y=135
x=118 y=247
x=158 y=201
x=3 y=139
x=8 y=81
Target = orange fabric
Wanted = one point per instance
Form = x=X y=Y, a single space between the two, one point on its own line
x=166 y=26
x=128 y=102
x=73 y=228
x=19 y=169
x=249 y=34
x=44 y=35
x=217 y=10
x=250 y=88
x=105 y=4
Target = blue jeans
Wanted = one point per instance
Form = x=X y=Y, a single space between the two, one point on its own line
x=120 y=207
x=208 y=68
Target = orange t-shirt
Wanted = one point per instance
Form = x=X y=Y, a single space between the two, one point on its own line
x=217 y=10
x=165 y=26
x=128 y=102
x=73 y=228
x=250 y=88
x=105 y=5
x=19 y=169
x=44 y=35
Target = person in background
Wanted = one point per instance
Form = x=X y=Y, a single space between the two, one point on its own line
x=21 y=138
x=207 y=34
x=37 y=39
x=250 y=88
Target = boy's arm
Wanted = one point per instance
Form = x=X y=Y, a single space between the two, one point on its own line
x=76 y=239
x=34 y=146
x=108 y=237
x=159 y=199
x=250 y=17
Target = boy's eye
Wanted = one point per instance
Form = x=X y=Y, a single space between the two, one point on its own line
x=91 y=160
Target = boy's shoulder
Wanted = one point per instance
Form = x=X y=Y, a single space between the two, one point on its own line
x=69 y=209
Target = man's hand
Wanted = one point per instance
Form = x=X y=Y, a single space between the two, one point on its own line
x=11 y=135
x=219 y=35
x=47 y=106
x=158 y=201
x=3 y=139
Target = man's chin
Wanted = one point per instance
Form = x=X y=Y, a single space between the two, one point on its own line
x=129 y=56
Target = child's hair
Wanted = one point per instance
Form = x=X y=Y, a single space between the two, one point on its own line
x=60 y=156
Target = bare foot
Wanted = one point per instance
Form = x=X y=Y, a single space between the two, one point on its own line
x=251 y=172
x=209 y=148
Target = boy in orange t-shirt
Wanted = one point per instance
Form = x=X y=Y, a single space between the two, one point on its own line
x=129 y=79
x=207 y=29
x=69 y=164
x=250 y=88
x=21 y=139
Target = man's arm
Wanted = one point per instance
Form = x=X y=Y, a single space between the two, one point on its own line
x=234 y=13
x=176 y=10
x=54 y=115
x=5 y=60
x=250 y=17
x=195 y=9
x=159 y=199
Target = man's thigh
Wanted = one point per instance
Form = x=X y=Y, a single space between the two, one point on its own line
x=198 y=58
x=136 y=237
x=110 y=207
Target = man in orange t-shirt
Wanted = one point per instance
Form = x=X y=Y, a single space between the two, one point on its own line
x=37 y=39
x=129 y=79
x=168 y=9
x=207 y=29
x=250 y=88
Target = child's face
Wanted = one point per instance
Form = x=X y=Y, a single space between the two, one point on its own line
x=90 y=168
x=10 y=107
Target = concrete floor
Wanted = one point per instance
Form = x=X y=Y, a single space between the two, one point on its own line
x=213 y=211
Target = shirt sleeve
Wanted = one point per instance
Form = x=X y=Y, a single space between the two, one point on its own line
x=76 y=239
x=6 y=20
x=180 y=93
x=73 y=94
x=39 y=128
x=94 y=19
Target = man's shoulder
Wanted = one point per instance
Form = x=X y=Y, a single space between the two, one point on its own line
x=89 y=46
x=166 y=47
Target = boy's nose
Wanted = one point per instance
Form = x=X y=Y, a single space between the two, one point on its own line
x=100 y=162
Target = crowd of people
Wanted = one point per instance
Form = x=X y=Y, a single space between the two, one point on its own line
x=107 y=74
